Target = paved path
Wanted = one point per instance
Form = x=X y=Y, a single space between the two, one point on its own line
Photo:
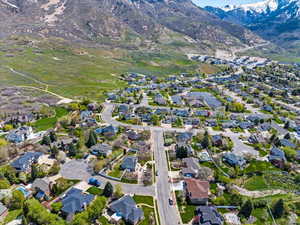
x=168 y=214
x=257 y=194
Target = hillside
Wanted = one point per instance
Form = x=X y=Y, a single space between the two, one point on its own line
x=125 y=23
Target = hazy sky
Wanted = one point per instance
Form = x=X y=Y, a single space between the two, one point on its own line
x=223 y=2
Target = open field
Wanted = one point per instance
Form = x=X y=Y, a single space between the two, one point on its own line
x=76 y=72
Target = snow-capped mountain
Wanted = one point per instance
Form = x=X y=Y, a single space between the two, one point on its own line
x=259 y=7
x=275 y=20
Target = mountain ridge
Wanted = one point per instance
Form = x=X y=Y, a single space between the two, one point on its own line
x=134 y=22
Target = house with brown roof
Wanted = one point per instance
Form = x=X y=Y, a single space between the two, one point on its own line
x=196 y=191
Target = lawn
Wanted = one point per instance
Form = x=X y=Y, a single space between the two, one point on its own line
x=187 y=212
x=12 y=214
x=256 y=183
x=95 y=191
x=116 y=172
x=104 y=221
x=148 y=213
x=143 y=199
x=47 y=123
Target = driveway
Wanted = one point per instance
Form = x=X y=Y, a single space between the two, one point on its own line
x=76 y=169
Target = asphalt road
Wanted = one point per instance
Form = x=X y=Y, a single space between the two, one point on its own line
x=168 y=214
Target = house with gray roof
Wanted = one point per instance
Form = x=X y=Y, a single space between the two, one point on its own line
x=126 y=208
x=42 y=188
x=24 y=162
x=129 y=163
x=208 y=215
x=75 y=201
x=101 y=150
x=19 y=135
x=191 y=167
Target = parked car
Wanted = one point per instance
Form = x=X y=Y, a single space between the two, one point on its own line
x=171 y=202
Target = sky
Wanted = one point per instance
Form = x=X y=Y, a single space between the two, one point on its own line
x=220 y=3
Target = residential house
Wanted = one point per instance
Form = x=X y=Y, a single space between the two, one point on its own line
x=287 y=143
x=160 y=100
x=24 y=162
x=277 y=157
x=108 y=131
x=129 y=163
x=42 y=188
x=19 y=135
x=217 y=140
x=177 y=100
x=267 y=108
x=208 y=215
x=126 y=208
x=256 y=138
x=196 y=191
x=234 y=160
x=3 y=212
x=101 y=150
x=191 y=167
x=84 y=115
x=184 y=137
x=75 y=201
x=133 y=136
x=246 y=125
x=229 y=124
x=123 y=109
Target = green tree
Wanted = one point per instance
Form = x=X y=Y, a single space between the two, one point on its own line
x=181 y=152
x=72 y=150
x=17 y=200
x=46 y=140
x=34 y=172
x=52 y=136
x=278 y=209
x=246 y=209
x=92 y=140
x=54 y=151
x=108 y=190
x=206 y=143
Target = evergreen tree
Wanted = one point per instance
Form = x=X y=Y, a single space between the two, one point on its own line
x=287 y=136
x=206 y=141
x=278 y=209
x=108 y=190
x=34 y=172
x=52 y=136
x=92 y=139
x=46 y=140
x=181 y=152
x=54 y=151
x=287 y=125
x=72 y=150
x=246 y=209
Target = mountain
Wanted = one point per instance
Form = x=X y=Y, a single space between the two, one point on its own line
x=274 y=20
x=130 y=23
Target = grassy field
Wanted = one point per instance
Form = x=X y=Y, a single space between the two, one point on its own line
x=73 y=71
x=143 y=199
x=47 y=123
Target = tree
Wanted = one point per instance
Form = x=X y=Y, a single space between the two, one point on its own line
x=34 y=172
x=17 y=200
x=246 y=209
x=54 y=151
x=52 y=136
x=92 y=140
x=181 y=152
x=287 y=136
x=108 y=190
x=118 y=191
x=206 y=140
x=287 y=125
x=278 y=209
x=46 y=140
x=72 y=150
